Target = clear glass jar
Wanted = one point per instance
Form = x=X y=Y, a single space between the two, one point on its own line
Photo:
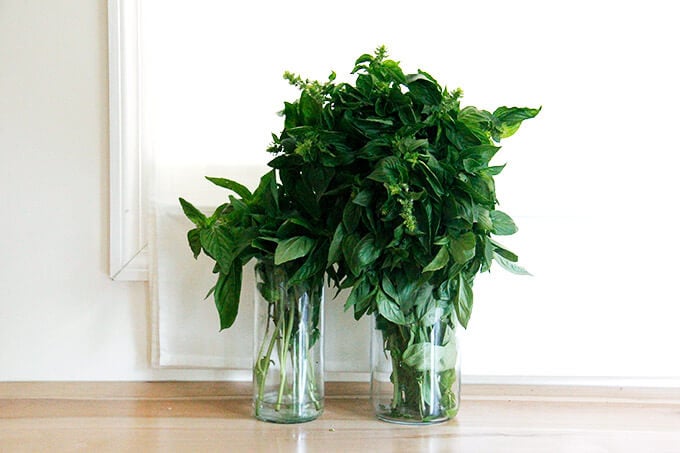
x=288 y=382
x=415 y=370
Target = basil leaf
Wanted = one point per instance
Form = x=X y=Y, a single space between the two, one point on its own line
x=193 y=214
x=363 y=198
x=389 y=170
x=239 y=189
x=313 y=265
x=463 y=301
x=423 y=89
x=431 y=357
x=194 y=238
x=510 y=119
x=227 y=295
x=389 y=288
x=509 y=265
x=505 y=253
x=503 y=225
x=388 y=309
x=366 y=252
x=462 y=248
x=439 y=261
x=351 y=216
x=359 y=293
x=478 y=156
x=219 y=245
x=292 y=248
x=335 y=250
x=310 y=109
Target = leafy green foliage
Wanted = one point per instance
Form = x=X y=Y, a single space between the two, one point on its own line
x=402 y=176
x=240 y=189
x=268 y=225
x=408 y=186
x=292 y=248
x=387 y=186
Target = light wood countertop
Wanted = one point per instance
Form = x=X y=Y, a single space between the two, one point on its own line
x=215 y=416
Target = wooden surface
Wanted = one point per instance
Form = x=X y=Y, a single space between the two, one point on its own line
x=209 y=416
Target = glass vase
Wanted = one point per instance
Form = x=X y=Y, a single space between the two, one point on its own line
x=415 y=370
x=288 y=382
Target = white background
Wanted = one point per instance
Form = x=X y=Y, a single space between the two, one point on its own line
x=591 y=181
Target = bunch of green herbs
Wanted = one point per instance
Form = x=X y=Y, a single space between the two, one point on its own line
x=291 y=259
x=402 y=176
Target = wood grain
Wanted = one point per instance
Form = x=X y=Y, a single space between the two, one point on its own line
x=215 y=416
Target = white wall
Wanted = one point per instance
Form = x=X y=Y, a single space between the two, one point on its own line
x=61 y=317
x=591 y=182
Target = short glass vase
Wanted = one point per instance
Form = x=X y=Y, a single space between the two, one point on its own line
x=415 y=371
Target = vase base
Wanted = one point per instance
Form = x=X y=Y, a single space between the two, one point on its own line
x=406 y=417
x=286 y=413
x=411 y=421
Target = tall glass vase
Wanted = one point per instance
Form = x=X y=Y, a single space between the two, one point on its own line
x=288 y=383
x=415 y=370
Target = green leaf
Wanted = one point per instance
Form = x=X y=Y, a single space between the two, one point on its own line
x=366 y=252
x=193 y=214
x=290 y=112
x=494 y=171
x=390 y=289
x=432 y=312
x=360 y=253
x=423 y=89
x=313 y=265
x=472 y=165
x=335 y=250
x=388 y=309
x=363 y=198
x=365 y=58
x=310 y=109
x=439 y=261
x=351 y=216
x=462 y=248
x=483 y=217
x=479 y=156
x=219 y=245
x=194 y=238
x=502 y=223
x=239 y=189
x=292 y=248
x=478 y=121
x=286 y=161
x=488 y=253
x=510 y=119
x=349 y=245
x=394 y=71
x=301 y=190
x=430 y=357
x=266 y=194
x=509 y=265
x=463 y=300
x=360 y=291
x=227 y=295
x=389 y=170
x=431 y=178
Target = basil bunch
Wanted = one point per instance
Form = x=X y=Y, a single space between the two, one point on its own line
x=266 y=225
x=386 y=186
x=402 y=175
